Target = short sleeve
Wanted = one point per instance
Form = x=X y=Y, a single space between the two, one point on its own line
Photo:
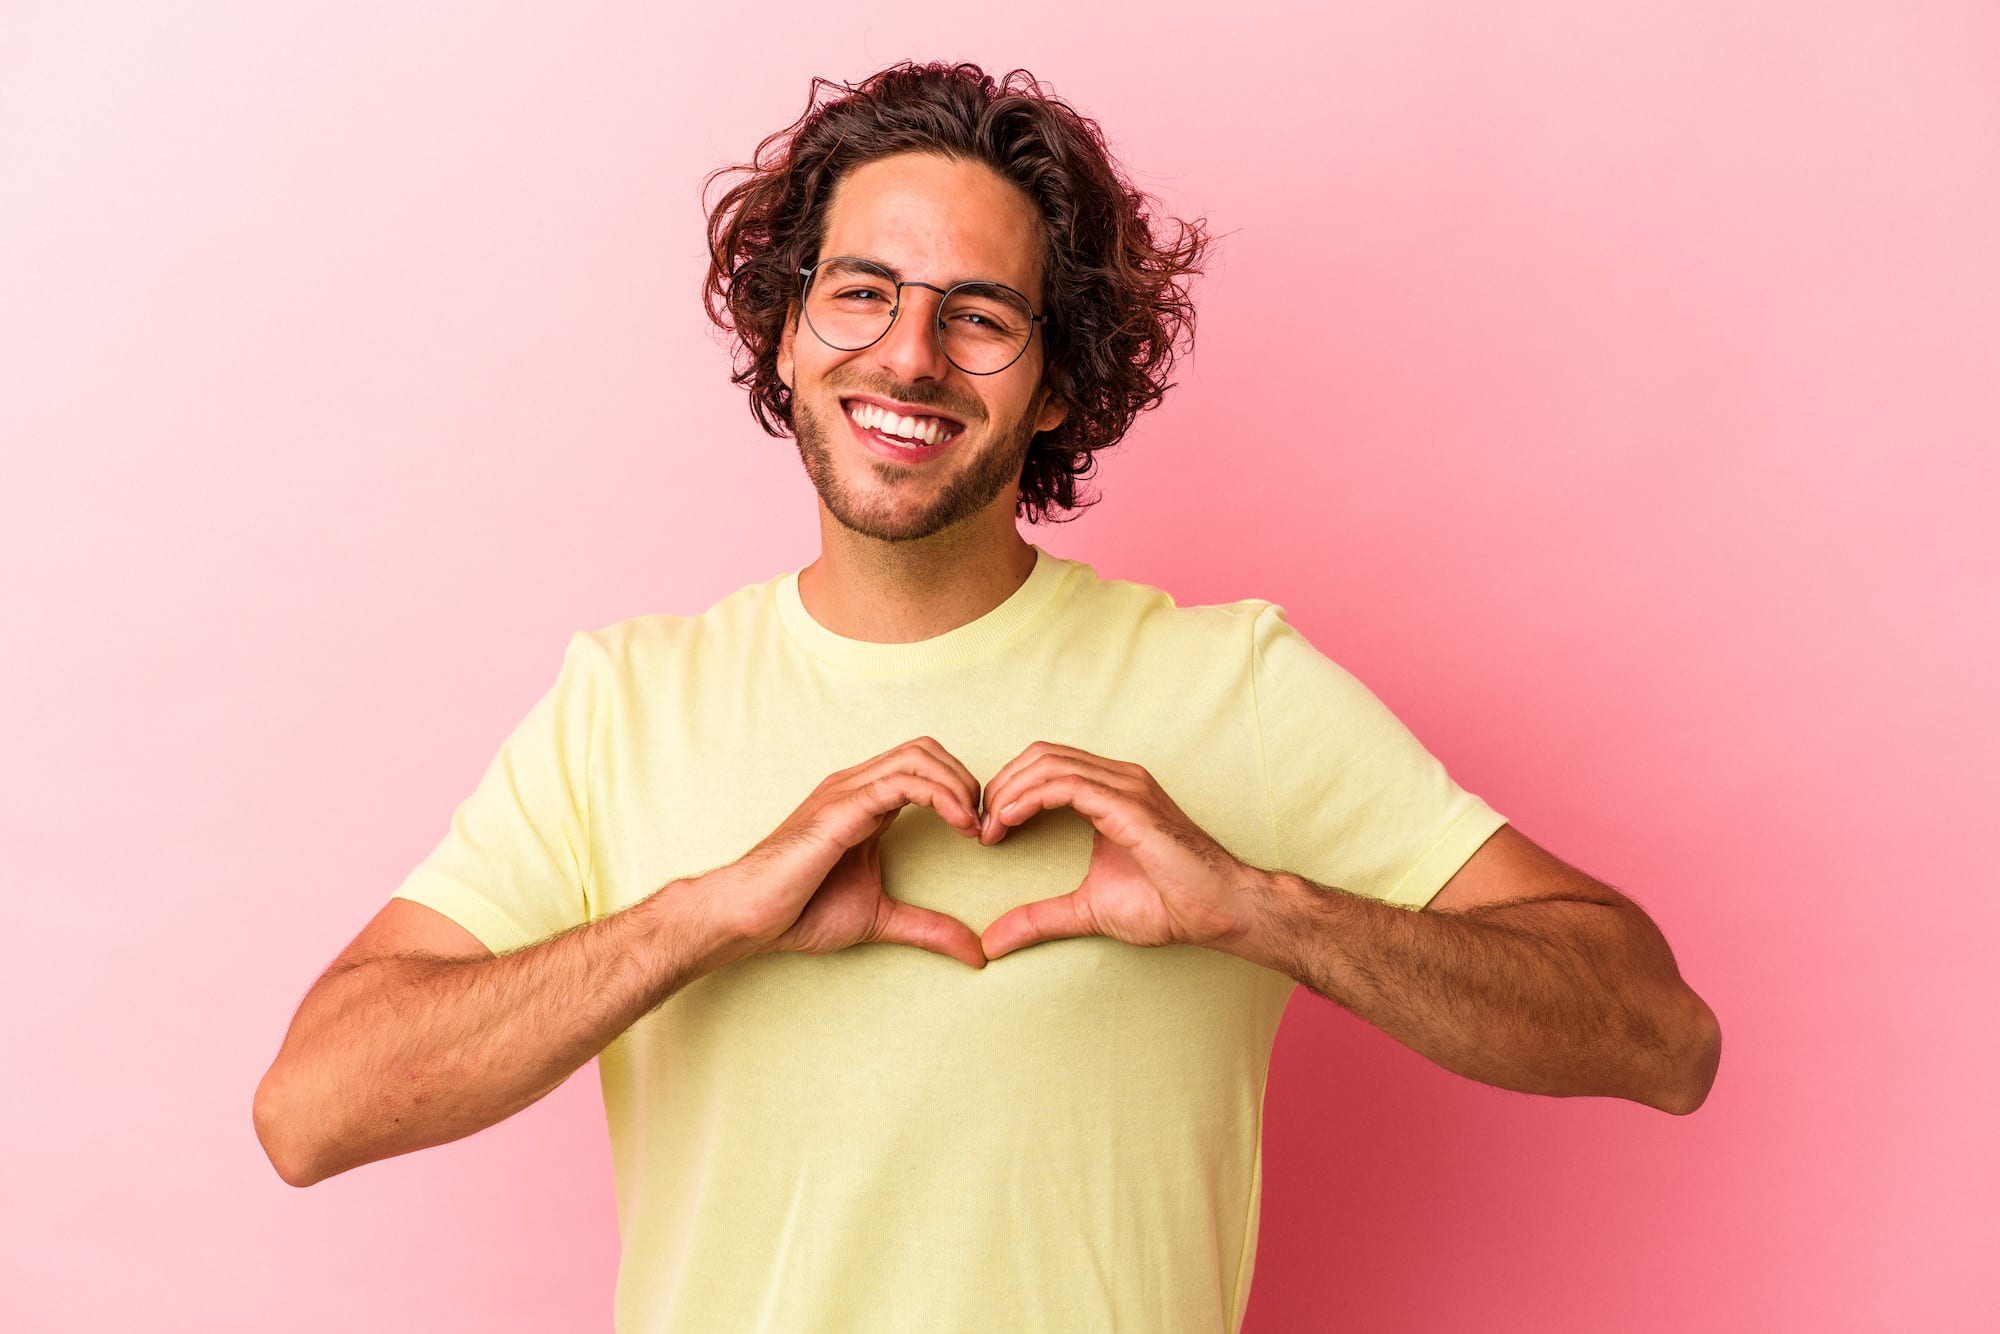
x=514 y=868
x=1357 y=803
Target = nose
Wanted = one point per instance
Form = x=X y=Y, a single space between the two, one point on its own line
x=911 y=350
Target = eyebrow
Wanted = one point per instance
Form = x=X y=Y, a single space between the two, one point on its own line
x=897 y=273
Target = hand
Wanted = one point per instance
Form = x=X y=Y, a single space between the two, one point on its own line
x=1155 y=878
x=814 y=885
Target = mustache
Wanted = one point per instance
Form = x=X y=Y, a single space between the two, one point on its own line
x=916 y=398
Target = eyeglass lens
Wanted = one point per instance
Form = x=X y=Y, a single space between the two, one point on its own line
x=985 y=326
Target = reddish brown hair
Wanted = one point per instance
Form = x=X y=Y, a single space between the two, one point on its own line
x=1119 y=294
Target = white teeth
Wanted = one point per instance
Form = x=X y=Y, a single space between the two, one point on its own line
x=926 y=430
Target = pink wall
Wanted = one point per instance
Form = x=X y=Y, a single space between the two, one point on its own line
x=1613 y=392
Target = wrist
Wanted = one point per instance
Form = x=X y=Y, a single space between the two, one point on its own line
x=1269 y=922
x=688 y=920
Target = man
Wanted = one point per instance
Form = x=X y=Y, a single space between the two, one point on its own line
x=931 y=909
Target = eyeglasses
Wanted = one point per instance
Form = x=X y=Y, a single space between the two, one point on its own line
x=982 y=327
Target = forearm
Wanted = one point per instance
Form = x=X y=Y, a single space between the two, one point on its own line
x=1561 y=997
x=397 y=1054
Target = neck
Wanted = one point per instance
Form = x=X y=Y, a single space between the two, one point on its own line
x=901 y=592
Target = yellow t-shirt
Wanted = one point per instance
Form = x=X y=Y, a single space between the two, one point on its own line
x=883 y=1139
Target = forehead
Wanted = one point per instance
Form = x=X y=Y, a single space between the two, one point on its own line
x=937 y=221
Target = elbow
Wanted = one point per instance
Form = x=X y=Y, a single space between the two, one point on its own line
x=276 y=1124
x=1699 y=1059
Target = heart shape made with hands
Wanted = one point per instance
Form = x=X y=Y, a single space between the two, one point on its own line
x=1155 y=877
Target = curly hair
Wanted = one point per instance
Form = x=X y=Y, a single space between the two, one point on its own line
x=1119 y=293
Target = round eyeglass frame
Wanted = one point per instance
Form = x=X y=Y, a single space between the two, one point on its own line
x=944 y=295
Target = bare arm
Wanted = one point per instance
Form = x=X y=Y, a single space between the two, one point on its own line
x=1559 y=996
x=418 y=1035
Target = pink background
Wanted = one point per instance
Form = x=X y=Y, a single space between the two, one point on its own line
x=1611 y=388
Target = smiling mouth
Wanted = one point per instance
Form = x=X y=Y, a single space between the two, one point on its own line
x=916 y=432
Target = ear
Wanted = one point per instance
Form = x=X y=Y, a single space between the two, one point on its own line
x=786 y=366
x=1054 y=410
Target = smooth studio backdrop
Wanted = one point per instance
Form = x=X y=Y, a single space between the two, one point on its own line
x=1609 y=387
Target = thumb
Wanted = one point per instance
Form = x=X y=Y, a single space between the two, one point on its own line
x=908 y=924
x=1032 y=923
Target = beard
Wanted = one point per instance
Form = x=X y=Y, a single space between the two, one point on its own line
x=908 y=502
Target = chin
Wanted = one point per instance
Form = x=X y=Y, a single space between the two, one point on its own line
x=893 y=504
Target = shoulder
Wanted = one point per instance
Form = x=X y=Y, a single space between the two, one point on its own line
x=1250 y=638
x=1134 y=609
x=643 y=645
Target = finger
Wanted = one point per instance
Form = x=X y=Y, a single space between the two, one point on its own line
x=963 y=796
x=1034 y=751
x=864 y=807
x=952 y=762
x=1059 y=918
x=1021 y=774
x=1038 y=762
x=1011 y=803
x=908 y=924
x=925 y=756
x=1115 y=814
x=1051 y=763
x=932 y=748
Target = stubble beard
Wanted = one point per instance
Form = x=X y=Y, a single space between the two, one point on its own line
x=889 y=514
